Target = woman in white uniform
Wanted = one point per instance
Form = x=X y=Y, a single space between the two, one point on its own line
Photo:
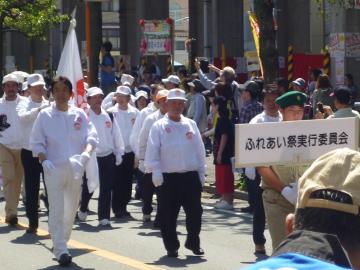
x=62 y=132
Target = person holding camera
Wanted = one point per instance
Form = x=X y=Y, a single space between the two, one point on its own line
x=10 y=147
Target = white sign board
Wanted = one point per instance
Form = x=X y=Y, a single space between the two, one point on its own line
x=292 y=142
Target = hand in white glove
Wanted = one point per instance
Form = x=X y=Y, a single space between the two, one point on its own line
x=142 y=166
x=44 y=106
x=84 y=158
x=157 y=179
x=48 y=166
x=119 y=159
x=250 y=173
x=290 y=193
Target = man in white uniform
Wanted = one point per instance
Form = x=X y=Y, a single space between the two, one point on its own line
x=109 y=152
x=125 y=116
x=175 y=155
x=148 y=186
x=28 y=110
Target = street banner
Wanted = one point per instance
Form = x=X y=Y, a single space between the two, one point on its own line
x=337 y=44
x=256 y=35
x=339 y=70
x=352 y=44
x=70 y=66
x=292 y=142
x=156 y=37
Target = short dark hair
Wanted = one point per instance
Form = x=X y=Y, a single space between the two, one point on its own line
x=64 y=80
x=345 y=225
x=107 y=45
x=350 y=77
x=223 y=110
x=323 y=82
x=316 y=73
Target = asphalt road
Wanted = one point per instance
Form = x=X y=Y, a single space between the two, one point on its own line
x=226 y=238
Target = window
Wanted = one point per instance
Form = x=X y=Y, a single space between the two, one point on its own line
x=180 y=45
x=175 y=13
x=112 y=5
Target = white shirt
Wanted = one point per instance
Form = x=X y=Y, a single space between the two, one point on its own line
x=134 y=136
x=264 y=118
x=60 y=135
x=125 y=120
x=145 y=130
x=11 y=137
x=107 y=102
x=27 y=111
x=175 y=147
x=110 y=138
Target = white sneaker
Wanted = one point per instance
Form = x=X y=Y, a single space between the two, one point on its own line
x=223 y=205
x=82 y=215
x=146 y=218
x=104 y=222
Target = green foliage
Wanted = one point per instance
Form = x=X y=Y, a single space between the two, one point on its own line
x=240 y=183
x=31 y=17
x=339 y=3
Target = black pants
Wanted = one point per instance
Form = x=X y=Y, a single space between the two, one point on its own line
x=106 y=176
x=180 y=189
x=258 y=214
x=148 y=191
x=123 y=183
x=32 y=171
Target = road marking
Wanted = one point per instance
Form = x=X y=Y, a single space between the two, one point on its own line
x=97 y=251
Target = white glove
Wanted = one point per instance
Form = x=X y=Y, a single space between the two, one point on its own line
x=44 y=106
x=119 y=159
x=202 y=178
x=77 y=166
x=290 y=193
x=84 y=158
x=157 y=179
x=250 y=173
x=142 y=166
x=48 y=166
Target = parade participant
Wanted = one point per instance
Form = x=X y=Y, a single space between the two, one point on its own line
x=270 y=114
x=148 y=187
x=134 y=136
x=28 y=110
x=180 y=176
x=61 y=133
x=279 y=182
x=171 y=82
x=109 y=152
x=223 y=152
x=125 y=116
x=110 y=99
x=10 y=148
x=142 y=100
x=324 y=233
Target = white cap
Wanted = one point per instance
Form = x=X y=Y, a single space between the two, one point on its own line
x=141 y=93
x=93 y=91
x=10 y=78
x=127 y=80
x=35 y=79
x=173 y=79
x=124 y=90
x=22 y=75
x=24 y=86
x=176 y=94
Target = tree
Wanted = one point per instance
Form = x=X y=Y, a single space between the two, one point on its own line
x=263 y=10
x=33 y=18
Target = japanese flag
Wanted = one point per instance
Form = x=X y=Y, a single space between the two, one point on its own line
x=70 y=66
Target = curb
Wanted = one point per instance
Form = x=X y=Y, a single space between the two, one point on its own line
x=241 y=195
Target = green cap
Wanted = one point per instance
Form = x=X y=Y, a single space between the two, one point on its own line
x=291 y=98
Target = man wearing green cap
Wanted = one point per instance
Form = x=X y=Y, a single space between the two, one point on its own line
x=279 y=182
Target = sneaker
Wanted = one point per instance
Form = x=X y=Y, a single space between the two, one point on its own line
x=146 y=218
x=82 y=215
x=12 y=221
x=65 y=260
x=223 y=205
x=105 y=222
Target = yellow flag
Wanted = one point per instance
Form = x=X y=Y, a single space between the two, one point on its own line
x=256 y=34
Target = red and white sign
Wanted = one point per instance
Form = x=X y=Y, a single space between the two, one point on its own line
x=70 y=66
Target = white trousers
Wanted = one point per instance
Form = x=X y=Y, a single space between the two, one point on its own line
x=64 y=195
